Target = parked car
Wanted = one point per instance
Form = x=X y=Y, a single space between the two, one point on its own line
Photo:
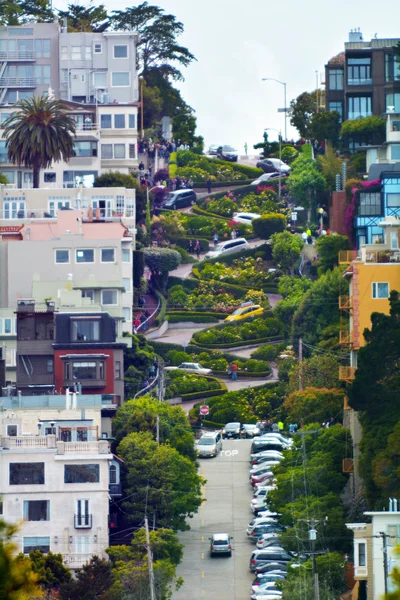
x=266 y=177
x=266 y=586
x=273 y=165
x=231 y=430
x=262 y=578
x=194 y=368
x=246 y=312
x=266 y=456
x=228 y=153
x=228 y=247
x=209 y=445
x=257 y=522
x=265 y=528
x=220 y=543
x=261 y=557
x=268 y=540
x=275 y=435
x=213 y=149
x=245 y=217
x=259 y=469
x=272 y=566
x=179 y=199
x=249 y=430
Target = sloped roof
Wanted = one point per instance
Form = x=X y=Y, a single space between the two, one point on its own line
x=376 y=170
x=339 y=59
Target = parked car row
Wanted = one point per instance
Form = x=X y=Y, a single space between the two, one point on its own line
x=269 y=560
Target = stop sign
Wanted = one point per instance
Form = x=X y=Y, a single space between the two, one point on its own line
x=204 y=410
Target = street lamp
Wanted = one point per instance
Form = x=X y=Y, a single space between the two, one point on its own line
x=280 y=155
x=284 y=92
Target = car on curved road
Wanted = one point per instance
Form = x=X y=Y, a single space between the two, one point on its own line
x=245 y=312
x=228 y=153
x=245 y=217
x=194 y=368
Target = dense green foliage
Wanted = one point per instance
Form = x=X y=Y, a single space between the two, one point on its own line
x=326 y=126
x=303 y=108
x=305 y=182
x=239 y=332
x=268 y=224
x=286 y=250
x=328 y=247
x=117 y=179
x=318 y=371
x=314 y=405
x=17 y=578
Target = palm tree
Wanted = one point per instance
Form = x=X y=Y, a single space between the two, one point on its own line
x=38 y=133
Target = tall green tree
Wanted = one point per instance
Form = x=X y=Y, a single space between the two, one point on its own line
x=326 y=126
x=328 y=247
x=85 y=18
x=158 y=46
x=318 y=371
x=39 y=132
x=159 y=481
x=92 y=582
x=330 y=166
x=286 y=249
x=117 y=179
x=17 y=579
x=18 y=12
x=305 y=182
x=303 y=108
x=50 y=569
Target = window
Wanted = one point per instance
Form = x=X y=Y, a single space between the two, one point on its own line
x=338 y=106
x=27 y=473
x=14 y=210
x=106 y=151
x=359 y=71
x=119 y=121
x=82 y=544
x=126 y=255
x=86 y=255
x=58 y=203
x=100 y=80
x=97 y=48
x=12 y=430
x=36 y=543
x=120 y=79
x=113 y=474
x=11 y=355
x=126 y=283
x=36 y=510
x=85 y=330
x=64 y=52
x=82 y=435
x=20 y=31
x=120 y=51
x=62 y=256
x=393 y=101
x=105 y=121
x=42 y=74
x=109 y=297
x=28 y=177
x=380 y=290
x=88 y=52
x=101 y=370
x=50 y=365
x=76 y=53
x=118 y=369
x=393 y=200
x=126 y=313
x=107 y=255
x=120 y=204
x=49 y=177
x=88 y=294
x=7 y=327
x=132 y=121
x=394 y=240
x=392 y=67
x=84 y=370
x=82 y=513
x=81 y=473
x=359 y=107
x=132 y=151
x=395 y=151
x=67 y=371
x=85 y=149
x=370 y=204
x=362 y=558
x=335 y=79
x=119 y=150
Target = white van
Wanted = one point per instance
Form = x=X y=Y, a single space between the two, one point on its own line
x=210 y=444
x=228 y=248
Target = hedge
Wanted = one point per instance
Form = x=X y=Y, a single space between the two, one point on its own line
x=244 y=169
x=187 y=284
x=183 y=242
x=199 y=313
x=255 y=342
x=229 y=258
x=207 y=393
x=239 y=290
x=163 y=309
x=190 y=318
x=204 y=213
x=217 y=184
x=307 y=150
x=212 y=424
x=162 y=348
x=246 y=374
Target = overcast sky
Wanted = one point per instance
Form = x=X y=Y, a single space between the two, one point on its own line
x=238 y=42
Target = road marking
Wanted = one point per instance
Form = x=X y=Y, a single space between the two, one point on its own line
x=202 y=574
x=202 y=592
x=202 y=555
x=202 y=538
x=202 y=521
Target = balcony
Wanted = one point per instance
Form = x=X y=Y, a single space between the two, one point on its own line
x=345 y=338
x=99 y=447
x=345 y=303
x=115 y=489
x=83 y=521
x=29 y=442
x=347 y=374
x=18 y=82
x=382 y=256
x=347 y=256
x=13 y=55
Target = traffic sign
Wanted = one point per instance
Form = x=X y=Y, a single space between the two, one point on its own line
x=294 y=216
x=204 y=410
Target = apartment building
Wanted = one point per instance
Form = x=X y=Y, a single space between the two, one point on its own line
x=95 y=74
x=370 y=541
x=363 y=80
x=81 y=265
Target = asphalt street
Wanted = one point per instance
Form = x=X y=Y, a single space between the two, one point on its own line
x=227 y=495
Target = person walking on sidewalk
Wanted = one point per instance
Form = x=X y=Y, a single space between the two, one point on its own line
x=245 y=148
x=197 y=249
x=209 y=183
x=234 y=370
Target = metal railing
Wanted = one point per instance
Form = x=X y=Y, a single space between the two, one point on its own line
x=345 y=303
x=147 y=321
x=347 y=256
x=83 y=521
x=347 y=373
x=18 y=82
x=345 y=338
x=382 y=256
x=17 y=55
x=76 y=561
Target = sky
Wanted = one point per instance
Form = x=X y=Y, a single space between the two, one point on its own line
x=238 y=42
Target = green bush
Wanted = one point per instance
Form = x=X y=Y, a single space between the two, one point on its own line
x=250 y=172
x=255 y=366
x=190 y=318
x=269 y=224
x=183 y=242
x=184 y=157
x=177 y=357
x=163 y=309
x=268 y=352
x=186 y=258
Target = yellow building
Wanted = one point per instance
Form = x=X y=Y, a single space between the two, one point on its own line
x=373 y=272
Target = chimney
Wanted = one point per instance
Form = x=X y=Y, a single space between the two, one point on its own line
x=355 y=35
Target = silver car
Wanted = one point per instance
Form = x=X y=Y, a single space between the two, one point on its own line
x=228 y=247
x=209 y=445
x=220 y=544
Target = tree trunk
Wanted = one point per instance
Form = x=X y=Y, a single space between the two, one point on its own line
x=36 y=174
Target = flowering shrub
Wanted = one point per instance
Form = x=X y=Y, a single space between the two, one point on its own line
x=248 y=272
x=257 y=329
x=184 y=383
x=224 y=207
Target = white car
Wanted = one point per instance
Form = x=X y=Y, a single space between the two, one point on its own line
x=267 y=540
x=213 y=149
x=228 y=247
x=245 y=217
x=255 y=522
x=266 y=177
x=194 y=368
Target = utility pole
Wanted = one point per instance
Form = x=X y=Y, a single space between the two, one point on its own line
x=384 y=537
x=142 y=108
x=158 y=430
x=300 y=365
x=313 y=536
x=149 y=560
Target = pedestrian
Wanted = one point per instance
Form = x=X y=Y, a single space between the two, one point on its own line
x=275 y=427
x=209 y=183
x=233 y=234
x=304 y=236
x=197 y=249
x=234 y=368
x=280 y=425
x=190 y=183
x=245 y=148
x=238 y=232
x=190 y=247
x=309 y=236
x=216 y=239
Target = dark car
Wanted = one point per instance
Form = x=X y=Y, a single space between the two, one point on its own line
x=273 y=165
x=261 y=557
x=266 y=528
x=227 y=153
x=249 y=431
x=271 y=566
x=231 y=430
x=179 y=199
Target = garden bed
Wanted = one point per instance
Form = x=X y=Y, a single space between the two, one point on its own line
x=186 y=386
x=273 y=339
x=230 y=335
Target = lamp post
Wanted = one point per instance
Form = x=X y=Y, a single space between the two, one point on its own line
x=284 y=94
x=280 y=155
